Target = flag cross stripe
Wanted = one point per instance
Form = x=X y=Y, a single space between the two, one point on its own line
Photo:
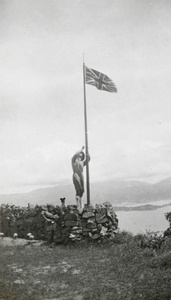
x=101 y=81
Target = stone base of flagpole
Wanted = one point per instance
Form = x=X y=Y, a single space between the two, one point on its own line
x=66 y=224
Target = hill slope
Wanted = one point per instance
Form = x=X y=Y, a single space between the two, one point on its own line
x=117 y=192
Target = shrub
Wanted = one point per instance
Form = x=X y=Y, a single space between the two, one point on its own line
x=162 y=261
x=166 y=246
x=123 y=237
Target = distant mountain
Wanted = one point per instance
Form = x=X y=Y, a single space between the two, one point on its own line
x=163 y=187
x=117 y=192
x=140 y=207
x=41 y=196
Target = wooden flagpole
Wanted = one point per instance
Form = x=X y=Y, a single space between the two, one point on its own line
x=86 y=136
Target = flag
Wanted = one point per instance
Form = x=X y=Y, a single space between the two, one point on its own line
x=99 y=80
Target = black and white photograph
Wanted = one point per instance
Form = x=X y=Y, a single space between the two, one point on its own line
x=85 y=150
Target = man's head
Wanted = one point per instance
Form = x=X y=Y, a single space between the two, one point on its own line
x=81 y=155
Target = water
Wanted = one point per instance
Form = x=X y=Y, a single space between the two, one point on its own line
x=142 y=221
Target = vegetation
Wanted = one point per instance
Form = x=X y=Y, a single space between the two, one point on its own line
x=124 y=269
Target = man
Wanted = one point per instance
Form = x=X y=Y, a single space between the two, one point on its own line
x=78 y=163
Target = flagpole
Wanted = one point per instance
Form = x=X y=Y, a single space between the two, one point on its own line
x=86 y=137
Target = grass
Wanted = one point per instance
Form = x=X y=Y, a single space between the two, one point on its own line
x=120 y=270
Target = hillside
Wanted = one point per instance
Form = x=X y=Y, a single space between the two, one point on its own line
x=119 y=270
x=117 y=192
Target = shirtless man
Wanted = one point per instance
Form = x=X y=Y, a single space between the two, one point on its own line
x=78 y=163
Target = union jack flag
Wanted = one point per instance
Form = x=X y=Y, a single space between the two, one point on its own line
x=99 y=80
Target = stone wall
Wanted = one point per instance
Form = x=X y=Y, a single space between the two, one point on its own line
x=60 y=224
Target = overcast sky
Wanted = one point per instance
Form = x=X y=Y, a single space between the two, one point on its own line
x=41 y=90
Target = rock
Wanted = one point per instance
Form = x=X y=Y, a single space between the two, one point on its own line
x=15 y=235
x=95 y=236
x=91 y=225
x=71 y=223
x=104 y=220
x=70 y=217
x=87 y=215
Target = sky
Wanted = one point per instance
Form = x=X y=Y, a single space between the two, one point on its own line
x=42 y=44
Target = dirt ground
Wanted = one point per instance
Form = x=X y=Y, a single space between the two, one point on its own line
x=8 y=241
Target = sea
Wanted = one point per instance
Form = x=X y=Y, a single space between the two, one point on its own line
x=144 y=221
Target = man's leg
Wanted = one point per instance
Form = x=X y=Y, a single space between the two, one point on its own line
x=81 y=202
x=77 y=201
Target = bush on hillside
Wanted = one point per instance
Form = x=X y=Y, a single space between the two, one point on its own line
x=123 y=237
x=149 y=240
x=162 y=261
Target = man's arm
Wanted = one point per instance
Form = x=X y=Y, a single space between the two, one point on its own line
x=76 y=154
x=86 y=161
